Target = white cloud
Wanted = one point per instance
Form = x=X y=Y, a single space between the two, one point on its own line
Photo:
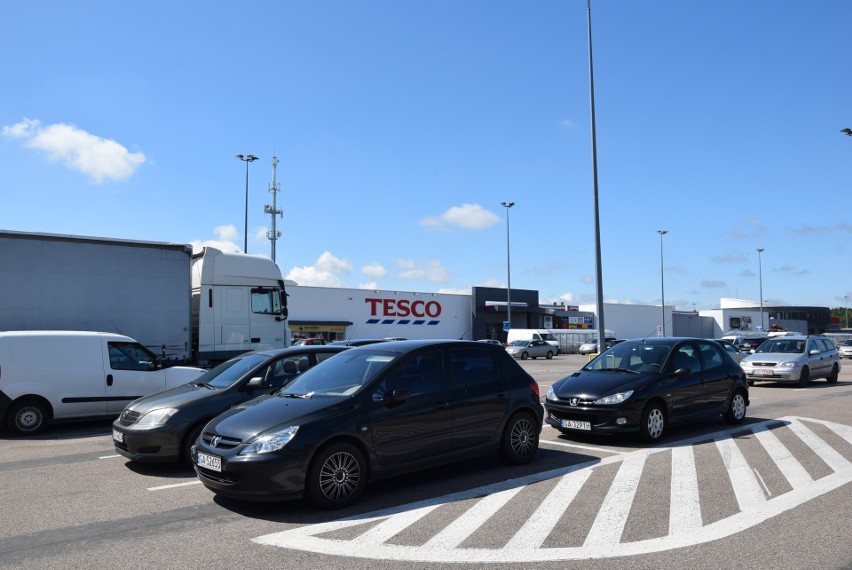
x=98 y=158
x=567 y=297
x=374 y=269
x=372 y=285
x=324 y=273
x=431 y=270
x=466 y=291
x=225 y=240
x=466 y=217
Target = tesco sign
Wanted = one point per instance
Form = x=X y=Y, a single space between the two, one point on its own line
x=403 y=308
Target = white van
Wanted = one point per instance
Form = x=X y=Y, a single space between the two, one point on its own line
x=533 y=334
x=58 y=375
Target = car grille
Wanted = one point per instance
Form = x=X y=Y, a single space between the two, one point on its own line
x=224 y=477
x=221 y=442
x=128 y=417
x=764 y=364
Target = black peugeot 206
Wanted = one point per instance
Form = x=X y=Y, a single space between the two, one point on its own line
x=646 y=385
x=372 y=412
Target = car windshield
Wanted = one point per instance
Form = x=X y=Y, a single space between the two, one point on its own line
x=519 y=343
x=783 y=346
x=846 y=343
x=230 y=371
x=341 y=375
x=631 y=356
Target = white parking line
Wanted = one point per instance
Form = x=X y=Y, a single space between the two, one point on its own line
x=586 y=447
x=109 y=456
x=163 y=487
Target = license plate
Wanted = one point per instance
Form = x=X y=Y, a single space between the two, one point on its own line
x=763 y=373
x=118 y=436
x=573 y=424
x=209 y=462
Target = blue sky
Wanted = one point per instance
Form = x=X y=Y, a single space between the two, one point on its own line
x=400 y=126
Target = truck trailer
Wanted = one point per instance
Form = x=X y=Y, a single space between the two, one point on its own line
x=202 y=308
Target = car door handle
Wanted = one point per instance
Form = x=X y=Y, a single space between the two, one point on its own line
x=442 y=405
x=109 y=379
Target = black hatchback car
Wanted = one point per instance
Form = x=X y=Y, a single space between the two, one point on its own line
x=372 y=412
x=646 y=385
x=165 y=425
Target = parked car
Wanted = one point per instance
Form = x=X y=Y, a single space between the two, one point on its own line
x=492 y=341
x=796 y=359
x=310 y=342
x=358 y=341
x=731 y=349
x=645 y=386
x=591 y=345
x=752 y=343
x=163 y=426
x=845 y=349
x=369 y=413
x=524 y=349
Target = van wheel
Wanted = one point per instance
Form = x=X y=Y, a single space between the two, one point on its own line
x=26 y=418
x=188 y=441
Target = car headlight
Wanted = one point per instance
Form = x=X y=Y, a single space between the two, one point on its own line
x=156 y=418
x=551 y=395
x=613 y=399
x=270 y=442
x=789 y=364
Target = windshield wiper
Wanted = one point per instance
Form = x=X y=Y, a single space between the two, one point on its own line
x=202 y=385
x=619 y=370
x=291 y=395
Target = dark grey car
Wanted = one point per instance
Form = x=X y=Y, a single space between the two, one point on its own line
x=163 y=426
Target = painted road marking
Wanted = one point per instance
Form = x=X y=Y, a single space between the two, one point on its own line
x=605 y=536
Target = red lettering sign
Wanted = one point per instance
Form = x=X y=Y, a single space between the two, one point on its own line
x=404 y=308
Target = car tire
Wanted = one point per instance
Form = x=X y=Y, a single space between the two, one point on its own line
x=26 y=417
x=337 y=476
x=524 y=356
x=805 y=377
x=653 y=424
x=520 y=439
x=189 y=439
x=549 y=355
x=835 y=373
x=736 y=411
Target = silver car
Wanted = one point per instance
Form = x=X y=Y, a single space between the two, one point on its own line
x=729 y=347
x=797 y=359
x=524 y=349
x=845 y=349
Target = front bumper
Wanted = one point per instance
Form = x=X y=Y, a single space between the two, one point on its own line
x=146 y=445
x=278 y=475
x=602 y=420
x=775 y=375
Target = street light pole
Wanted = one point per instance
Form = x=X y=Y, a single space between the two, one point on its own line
x=760 y=273
x=247 y=159
x=662 y=281
x=508 y=205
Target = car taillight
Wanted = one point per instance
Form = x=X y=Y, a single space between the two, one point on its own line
x=534 y=388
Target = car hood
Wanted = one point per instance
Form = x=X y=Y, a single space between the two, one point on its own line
x=772 y=357
x=594 y=384
x=178 y=397
x=257 y=416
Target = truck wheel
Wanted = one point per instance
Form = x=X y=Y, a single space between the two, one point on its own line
x=26 y=418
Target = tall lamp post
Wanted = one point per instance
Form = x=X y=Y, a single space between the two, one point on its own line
x=247 y=159
x=662 y=281
x=508 y=205
x=760 y=274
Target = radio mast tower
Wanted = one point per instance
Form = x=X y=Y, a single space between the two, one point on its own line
x=274 y=187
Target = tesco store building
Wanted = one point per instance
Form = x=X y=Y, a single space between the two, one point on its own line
x=337 y=314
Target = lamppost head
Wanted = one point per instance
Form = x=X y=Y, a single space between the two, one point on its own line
x=507 y=204
x=760 y=250
x=247 y=158
x=662 y=232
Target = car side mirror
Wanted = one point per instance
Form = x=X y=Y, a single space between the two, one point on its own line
x=397 y=396
x=682 y=372
x=256 y=382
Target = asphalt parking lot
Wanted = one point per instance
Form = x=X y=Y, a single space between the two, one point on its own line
x=773 y=493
